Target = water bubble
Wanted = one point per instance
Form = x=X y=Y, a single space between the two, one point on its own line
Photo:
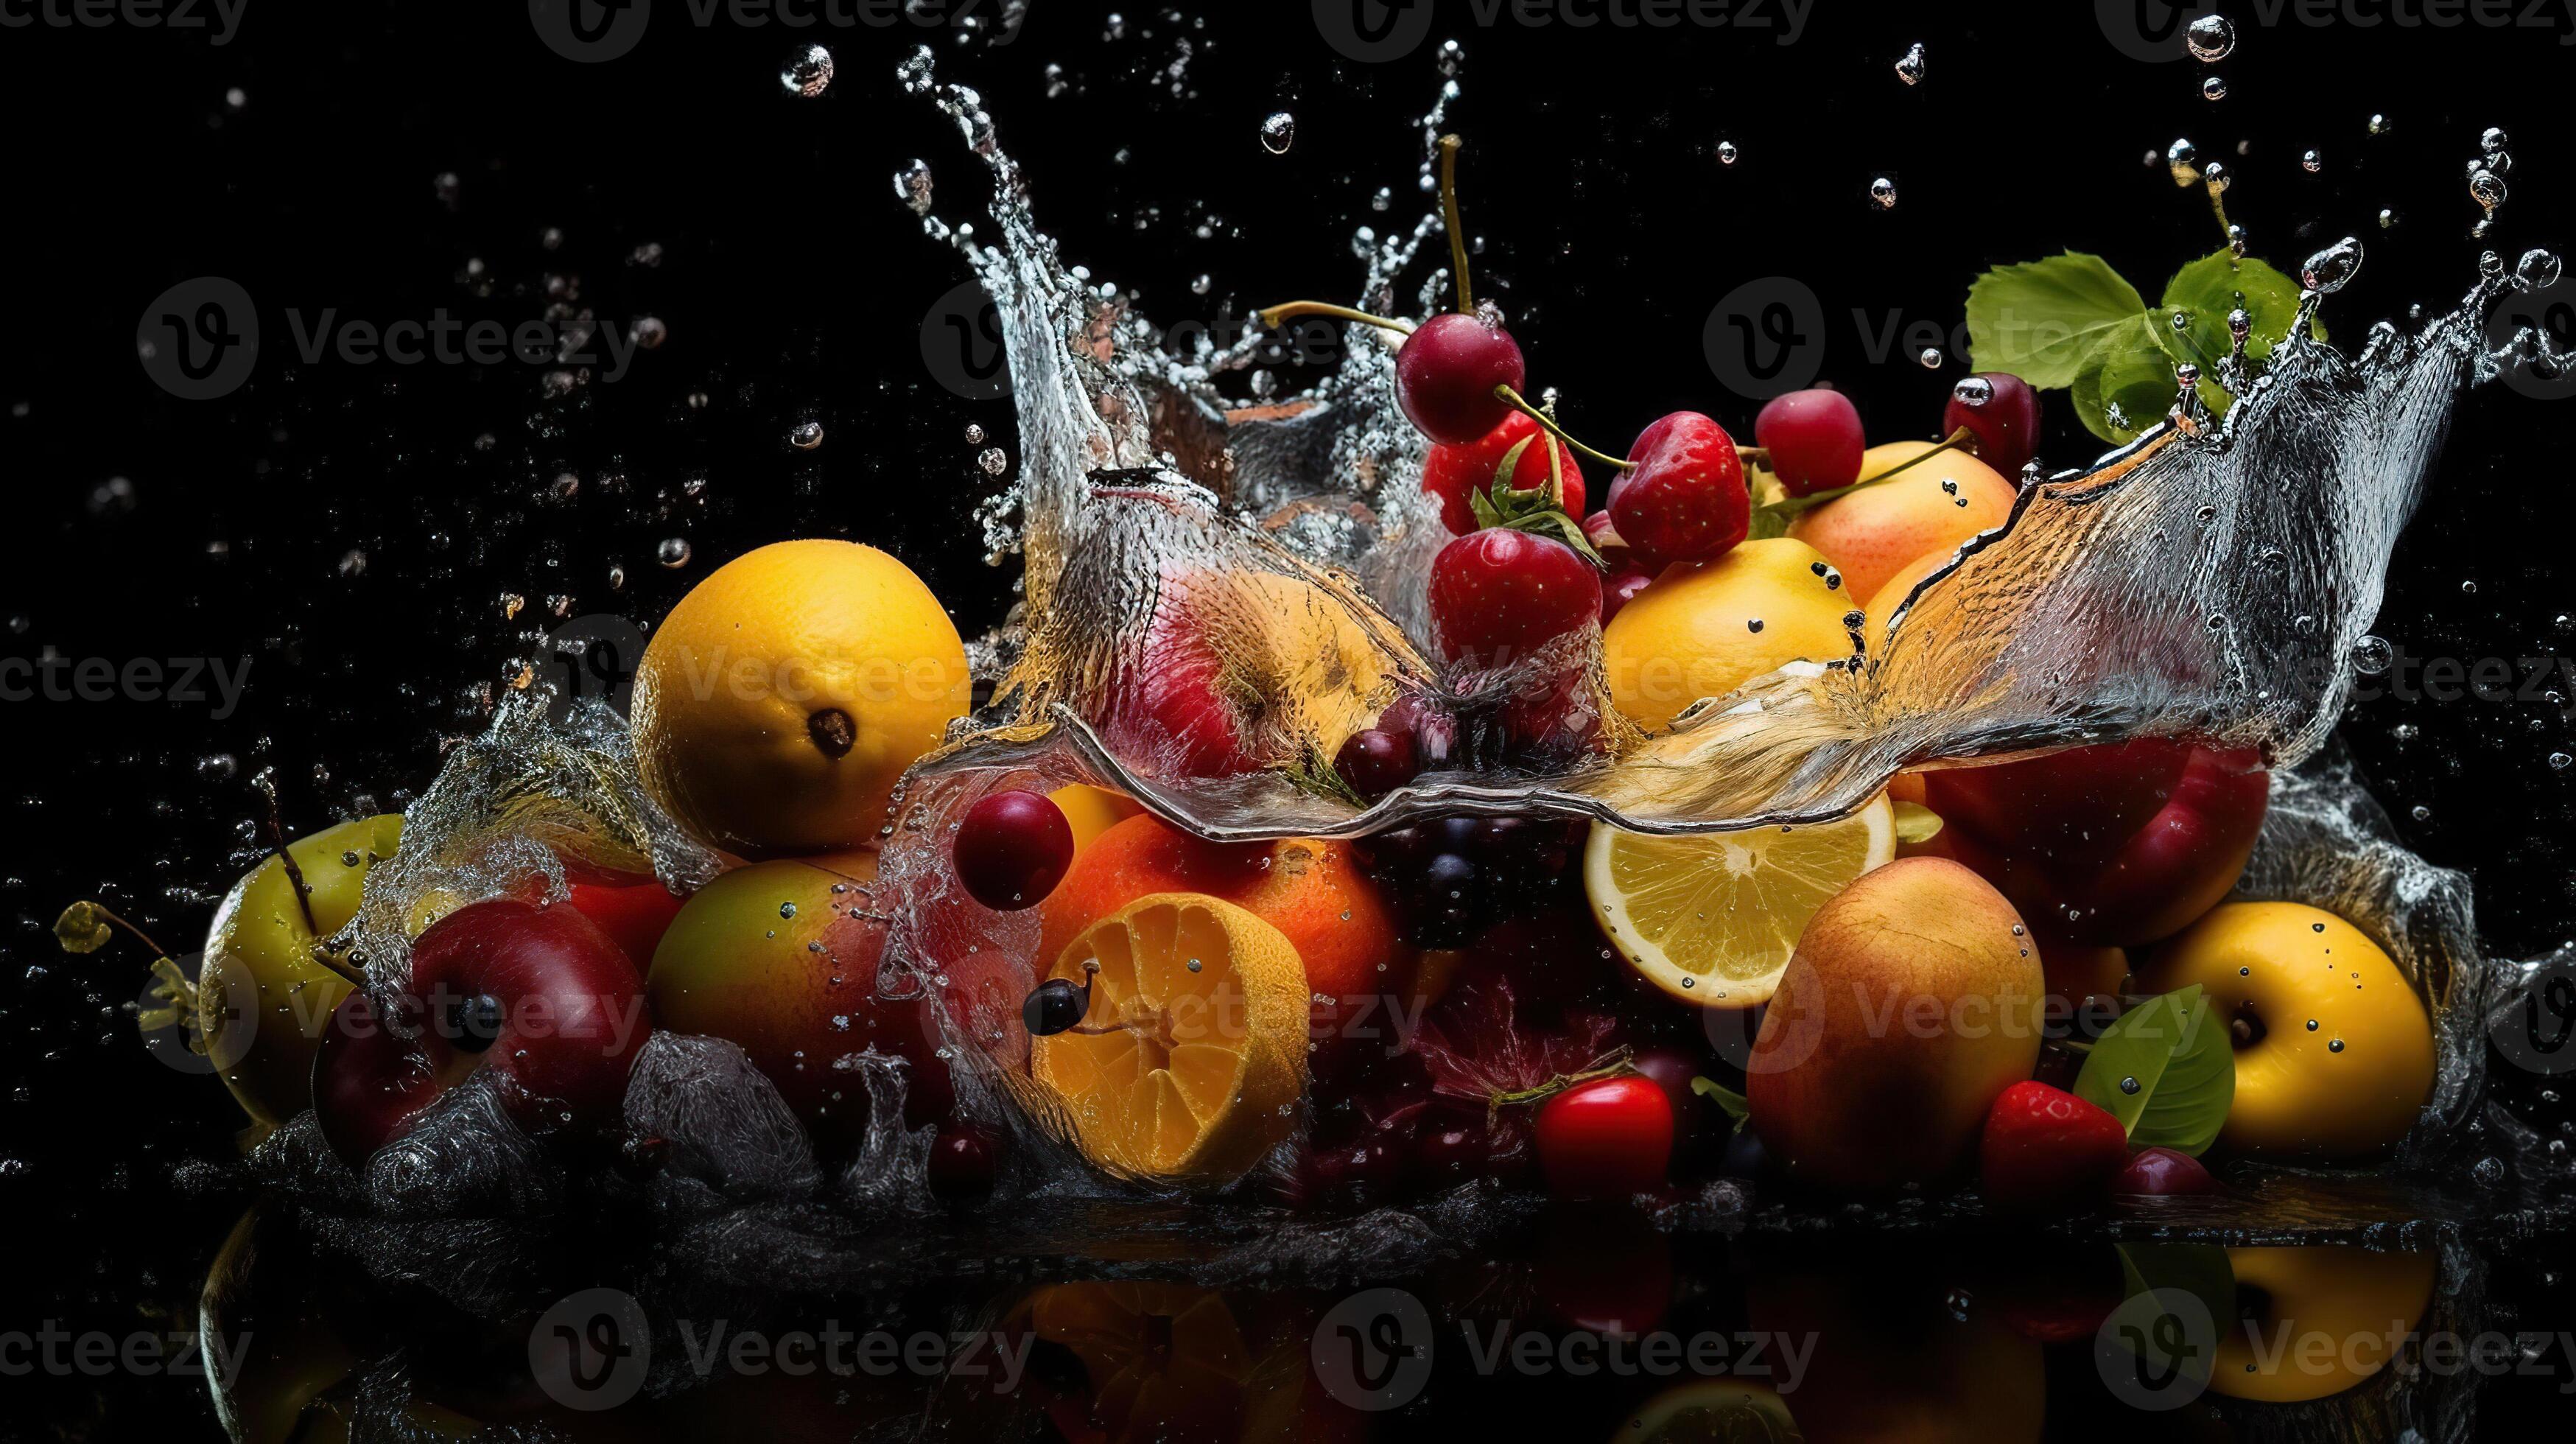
x=2492 y=141
x=993 y=460
x=974 y=434
x=649 y=332
x=673 y=552
x=2214 y=88
x=806 y=436
x=112 y=497
x=1973 y=391
x=2210 y=38
x=2372 y=656
x=2538 y=269
x=807 y=72
x=2329 y=270
x=1910 y=68
x=1930 y=356
x=2312 y=162
x=2558 y=761
x=912 y=187
x=2217 y=177
x=2387 y=218
x=1882 y=193
x=2381 y=125
x=1278 y=132
x=1726 y=152
x=2486 y=188
x=2180 y=156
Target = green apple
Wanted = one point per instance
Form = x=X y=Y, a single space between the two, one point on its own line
x=261 y=971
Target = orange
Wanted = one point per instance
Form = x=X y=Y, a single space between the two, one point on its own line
x=1312 y=891
x=1091 y=811
x=1934 y=506
x=781 y=700
x=1190 y=1060
x=1705 y=628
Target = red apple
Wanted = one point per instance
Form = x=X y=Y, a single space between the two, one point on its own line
x=1179 y=701
x=634 y=909
x=541 y=996
x=2114 y=845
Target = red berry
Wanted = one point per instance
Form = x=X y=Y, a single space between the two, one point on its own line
x=2003 y=426
x=1620 y=588
x=1685 y=498
x=1453 y=473
x=1376 y=762
x=962 y=1164
x=1603 y=533
x=2046 y=1148
x=1501 y=594
x=1012 y=849
x=2158 y=1171
x=1446 y=372
x=1606 y=1139
x=1814 y=439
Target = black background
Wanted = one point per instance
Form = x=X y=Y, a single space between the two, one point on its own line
x=794 y=287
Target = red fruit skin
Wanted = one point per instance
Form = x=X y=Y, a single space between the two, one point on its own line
x=2116 y=845
x=1685 y=498
x=634 y=909
x=1620 y=588
x=1175 y=703
x=1012 y=848
x=1814 y=438
x=1606 y=1139
x=368 y=1082
x=1446 y=372
x=2158 y=1172
x=2045 y=1149
x=1453 y=473
x=1500 y=594
x=2005 y=429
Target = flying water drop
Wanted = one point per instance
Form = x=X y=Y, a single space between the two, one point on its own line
x=1882 y=193
x=807 y=73
x=2328 y=270
x=1910 y=69
x=1278 y=132
x=2210 y=38
x=2214 y=88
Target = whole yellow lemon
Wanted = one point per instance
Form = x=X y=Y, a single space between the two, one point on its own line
x=1703 y=629
x=784 y=696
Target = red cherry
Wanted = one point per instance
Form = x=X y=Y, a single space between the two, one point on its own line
x=2158 y=1171
x=1685 y=498
x=1012 y=849
x=1500 y=594
x=963 y=1164
x=1446 y=372
x=1453 y=473
x=2004 y=427
x=1620 y=588
x=1814 y=439
x=2044 y=1148
x=1603 y=533
x=1376 y=762
x=1606 y=1139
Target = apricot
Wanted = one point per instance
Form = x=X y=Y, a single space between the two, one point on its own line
x=1912 y=1001
x=1873 y=533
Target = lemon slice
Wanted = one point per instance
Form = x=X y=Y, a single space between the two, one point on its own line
x=1188 y=1065
x=1713 y=918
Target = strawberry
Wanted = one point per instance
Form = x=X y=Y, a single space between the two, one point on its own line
x=1685 y=497
x=2045 y=1148
x=1499 y=594
x=1454 y=473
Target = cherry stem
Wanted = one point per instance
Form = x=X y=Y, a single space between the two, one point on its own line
x=1547 y=423
x=1753 y=456
x=286 y=859
x=1291 y=310
x=1794 y=505
x=1613 y=1064
x=139 y=934
x=1449 y=217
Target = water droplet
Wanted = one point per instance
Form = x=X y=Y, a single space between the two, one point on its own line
x=2329 y=270
x=673 y=552
x=2214 y=88
x=2312 y=162
x=2210 y=38
x=2381 y=125
x=2559 y=761
x=1726 y=152
x=2492 y=141
x=1882 y=193
x=1973 y=391
x=807 y=73
x=806 y=436
x=1910 y=68
x=1278 y=132
x=2129 y=1086
x=2372 y=655
x=787 y=910
x=2538 y=269
x=1931 y=358
x=2334 y=1045
x=994 y=460
x=912 y=187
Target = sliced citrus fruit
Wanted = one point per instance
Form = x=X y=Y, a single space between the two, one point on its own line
x=1713 y=918
x=1188 y=1064
x=1719 y=1411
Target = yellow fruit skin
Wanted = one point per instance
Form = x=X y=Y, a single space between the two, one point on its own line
x=1891 y=594
x=1091 y=811
x=2297 y=1095
x=753 y=680
x=1690 y=634
x=1913 y=1000
x=2327 y=1314
x=259 y=970
x=1933 y=507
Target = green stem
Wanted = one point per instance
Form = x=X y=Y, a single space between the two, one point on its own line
x=1291 y=310
x=1547 y=423
x=1449 y=217
x=1796 y=505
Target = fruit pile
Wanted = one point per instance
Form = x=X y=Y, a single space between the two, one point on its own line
x=2023 y=973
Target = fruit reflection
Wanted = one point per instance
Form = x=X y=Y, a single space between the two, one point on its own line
x=1900 y=1353
x=1170 y=1363
x=1712 y=1411
x=2316 y=1321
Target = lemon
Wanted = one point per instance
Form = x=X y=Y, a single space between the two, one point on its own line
x=1713 y=918
x=1189 y=1063
x=783 y=697
x=1703 y=629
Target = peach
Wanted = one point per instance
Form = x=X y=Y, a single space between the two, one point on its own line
x=1873 y=533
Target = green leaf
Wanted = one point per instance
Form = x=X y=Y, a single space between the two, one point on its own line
x=1727 y=1098
x=2043 y=320
x=2209 y=288
x=2134 y=370
x=2182 y=1065
x=2198 y=1269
